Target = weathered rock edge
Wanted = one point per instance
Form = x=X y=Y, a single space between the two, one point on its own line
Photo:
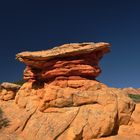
x=63 y=51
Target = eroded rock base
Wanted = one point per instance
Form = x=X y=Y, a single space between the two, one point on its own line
x=69 y=110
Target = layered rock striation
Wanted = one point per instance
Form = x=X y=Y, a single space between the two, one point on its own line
x=66 y=61
x=130 y=90
x=62 y=100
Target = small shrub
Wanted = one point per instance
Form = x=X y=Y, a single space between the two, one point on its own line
x=3 y=121
x=135 y=97
x=20 y=82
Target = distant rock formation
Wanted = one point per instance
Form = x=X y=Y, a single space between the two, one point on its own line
x=8 y=91
x=130 y=90
x=62 y=100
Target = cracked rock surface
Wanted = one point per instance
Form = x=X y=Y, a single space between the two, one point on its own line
x=84 y=109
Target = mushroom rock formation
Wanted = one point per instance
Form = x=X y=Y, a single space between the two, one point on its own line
x=62 y=100
x=69 y=60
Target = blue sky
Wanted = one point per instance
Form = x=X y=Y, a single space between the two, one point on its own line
x=39 y=25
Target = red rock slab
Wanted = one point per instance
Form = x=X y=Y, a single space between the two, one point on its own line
x=84 y=66
x=63 y=51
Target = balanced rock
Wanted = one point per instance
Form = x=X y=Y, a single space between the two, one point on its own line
x=77 y=59
x=62 y=100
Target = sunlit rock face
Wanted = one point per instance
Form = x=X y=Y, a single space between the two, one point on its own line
x=62 y=100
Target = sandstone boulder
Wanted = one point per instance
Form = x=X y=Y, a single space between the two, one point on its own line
x=84 y=109
x=62 y=51
x=8 y=91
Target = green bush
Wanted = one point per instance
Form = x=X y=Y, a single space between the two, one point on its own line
x=3 y=121
x=135 y=97
x=19 y=82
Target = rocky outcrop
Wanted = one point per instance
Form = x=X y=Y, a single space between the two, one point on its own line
x=77 y=59
x=81 y=108
x=8 y=91
x=130 y=90
x=62 y=100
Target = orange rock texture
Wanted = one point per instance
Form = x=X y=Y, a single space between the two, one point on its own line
x=79 y=59
x=62 y=100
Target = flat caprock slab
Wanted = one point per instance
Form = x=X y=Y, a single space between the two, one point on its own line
x=64 y=50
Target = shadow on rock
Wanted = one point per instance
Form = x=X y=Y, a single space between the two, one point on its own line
x=37 y=85
x=3 y=121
